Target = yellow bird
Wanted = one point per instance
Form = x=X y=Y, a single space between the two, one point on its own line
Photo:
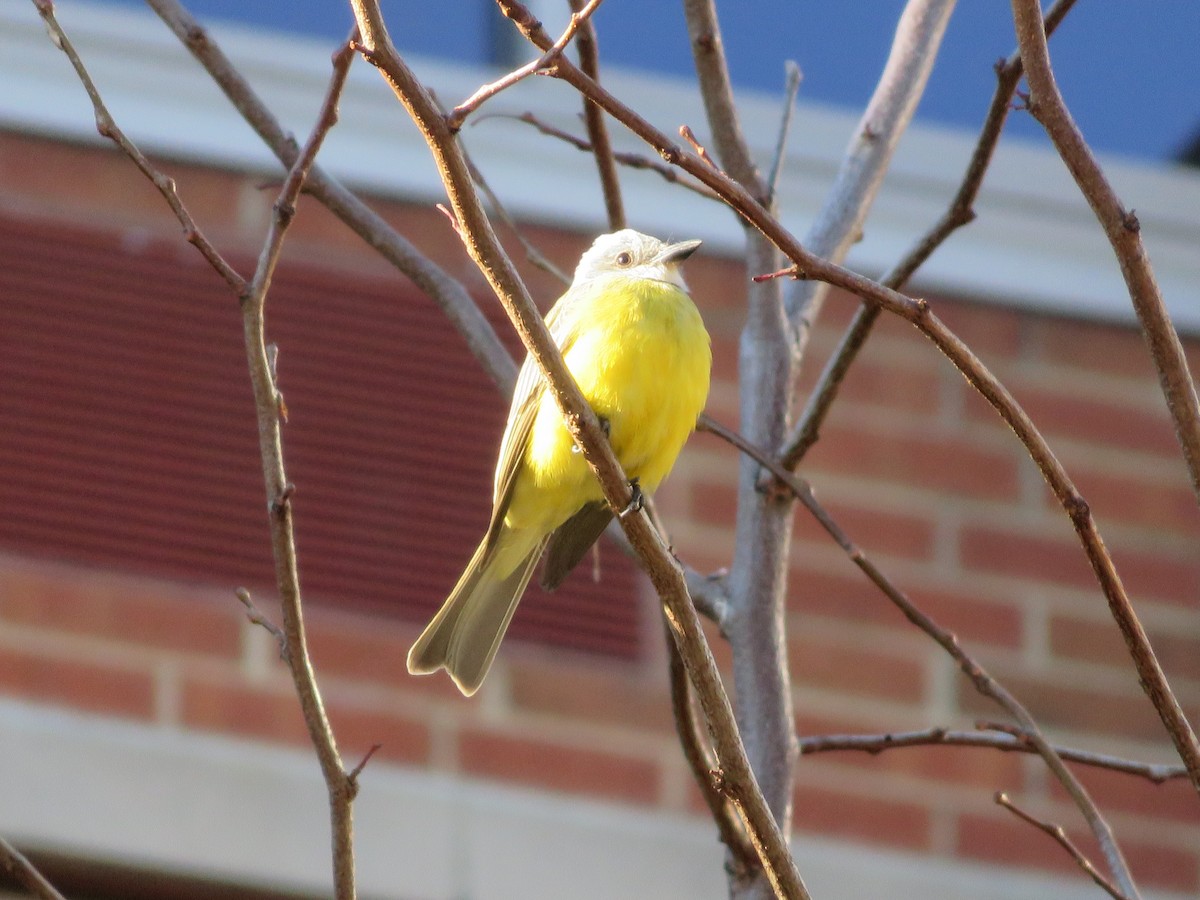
x=636 y=346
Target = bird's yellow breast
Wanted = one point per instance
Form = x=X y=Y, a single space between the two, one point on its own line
x=642 y=359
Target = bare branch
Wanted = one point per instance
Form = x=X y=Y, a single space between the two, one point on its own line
x=664 y=573
x=597 y=128
x=703 y=766
x=1122 y=228
x=1009 y=740
x=840 y=222
x=1057 y=832
x=790 y=90
x=341 y=787
x=960 y=212
x=19 y=867
x=109 y=129
x=920 y=314
x=983 y=682
x=629 y=160
x=458 y=115
x=450 y=296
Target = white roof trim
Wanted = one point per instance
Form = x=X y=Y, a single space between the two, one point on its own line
x=1035 y=244
x=215 y=807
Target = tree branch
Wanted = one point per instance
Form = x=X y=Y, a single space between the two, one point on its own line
x=597 y=128
x=1057 y=832
x=839 y=225
x=458 y=115
x=1005 y=738
x=960 y=212
x=450 y=296
x=340 y=786
x=920 y=314
x=757 y=580
x=19 y=867
x=629 y=160
x=983 y=682
x=664 y=573
x=1122 y=229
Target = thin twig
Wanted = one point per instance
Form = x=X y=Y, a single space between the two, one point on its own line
x=256 y=617
x=341 y=788
x=629 y=160
x=702 y=765
x=108 y=128
x=597 y=128
x=688 y=135
x=1122 y=229
x=1009 y=740
x=664 y=573
x=983 y=682
x=458 y=115
x=958 y=213
x=790 y=90
x=19 y=867
x=1057 y=832
x=920 y=314
x=757 y=580
x=449 y=294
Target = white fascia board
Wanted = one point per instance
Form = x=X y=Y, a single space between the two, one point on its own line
x=1035 y=244
x=209 y=806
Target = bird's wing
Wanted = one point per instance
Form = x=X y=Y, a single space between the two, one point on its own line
x=527 y=395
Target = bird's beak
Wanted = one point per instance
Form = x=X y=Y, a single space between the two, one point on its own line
x=677 y=253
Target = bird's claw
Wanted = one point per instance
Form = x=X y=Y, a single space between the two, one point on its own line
x=636 y=501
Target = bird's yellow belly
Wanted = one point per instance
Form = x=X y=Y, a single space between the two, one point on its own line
x=644 y=367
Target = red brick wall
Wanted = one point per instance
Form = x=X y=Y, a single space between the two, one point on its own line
x=919 y=471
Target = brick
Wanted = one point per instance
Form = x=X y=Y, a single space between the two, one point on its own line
x=829 y=813
x=852 y=597
x=89 y=686
x=1011 y=842
x=815 y=662
x=992 y=332
x=126 y=611
x=1102 y=348
x=401 y=739
x=927 y=460
x=224 y=705
x=558 y=767
x=1060 y=560
x=1100 y=641
x=1057 y=705
x=875 y=531
x=601 y=696
x=908 y=387
x=1059 y=413
x=1130 y=498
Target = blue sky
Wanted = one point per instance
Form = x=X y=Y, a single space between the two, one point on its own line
x=1128 y=69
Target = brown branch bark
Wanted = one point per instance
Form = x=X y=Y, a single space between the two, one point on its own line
x=757 y=580
x=340 y=786
x=1009 y=740
x=268 y=405
x=19 y=867
x=1122 y=229
x=983 y=682
x=597 y=127
x=450 y=296
x=1059 y=835
x=738 y=779
x=920 y=314
x=960 y=212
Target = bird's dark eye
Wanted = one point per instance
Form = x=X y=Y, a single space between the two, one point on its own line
x=624 y=259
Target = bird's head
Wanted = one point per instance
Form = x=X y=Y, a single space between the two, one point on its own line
x=632 y=254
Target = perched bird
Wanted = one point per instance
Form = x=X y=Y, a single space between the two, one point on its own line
x=636 y=346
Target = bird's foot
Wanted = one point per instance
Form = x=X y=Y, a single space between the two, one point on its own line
x=636 y=501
